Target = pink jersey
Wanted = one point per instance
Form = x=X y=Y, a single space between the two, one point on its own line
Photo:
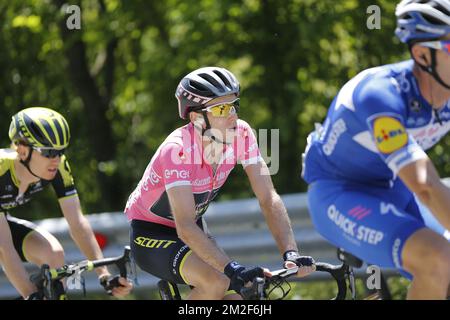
x=179 y=162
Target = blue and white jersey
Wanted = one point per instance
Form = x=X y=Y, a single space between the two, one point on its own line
x=377 y=124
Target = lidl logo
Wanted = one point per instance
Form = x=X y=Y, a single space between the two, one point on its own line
x=389 y=133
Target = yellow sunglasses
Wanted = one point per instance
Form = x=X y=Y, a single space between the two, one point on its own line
x=224 y=110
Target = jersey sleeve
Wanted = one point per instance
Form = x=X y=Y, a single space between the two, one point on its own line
x=63 y=183
x=247 y=145
x=380 y=107
x=175 y=169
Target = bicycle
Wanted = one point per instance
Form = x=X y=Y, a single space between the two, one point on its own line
x=382 y=293
x=48 y=280
x=262 y=288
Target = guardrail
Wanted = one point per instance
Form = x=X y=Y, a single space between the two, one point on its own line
x=238 y=227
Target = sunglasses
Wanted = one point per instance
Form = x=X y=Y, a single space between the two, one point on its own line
x=224 y=110
x=443 y=45
x=50 y=153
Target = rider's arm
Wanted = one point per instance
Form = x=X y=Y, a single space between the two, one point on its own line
x=182 y=204
x=11 y=262
x=81 y=231
x=272 y=206
x=422 y=178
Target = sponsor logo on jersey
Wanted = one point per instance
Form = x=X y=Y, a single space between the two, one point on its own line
x=414 y=105
x=354 y=230
x=153 y=243
x=154 y=177
x=179 y=174
x=385 y=208
x=359 y=212
x=390 y=135
x=201 y=182
x=36 y=188
x=223 y=175
x=396 y=253
x=337 y=129
x=177 y=257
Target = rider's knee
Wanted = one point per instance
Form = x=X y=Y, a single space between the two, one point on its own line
x=55 y=257
x=433 y=262
x=216 y=284
x=441 y=263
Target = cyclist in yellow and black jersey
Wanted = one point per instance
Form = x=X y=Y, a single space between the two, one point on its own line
x=9 y=184
x=36 y=159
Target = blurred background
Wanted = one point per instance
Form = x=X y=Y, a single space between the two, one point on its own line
x=114 y=79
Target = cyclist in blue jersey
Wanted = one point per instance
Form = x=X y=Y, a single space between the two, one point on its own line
x=373 y=191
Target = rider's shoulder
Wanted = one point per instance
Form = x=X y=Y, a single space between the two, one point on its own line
x=243 y=127
x=382 y=87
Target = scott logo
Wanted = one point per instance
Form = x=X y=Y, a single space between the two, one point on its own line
x=152 y=243
x=180 y=174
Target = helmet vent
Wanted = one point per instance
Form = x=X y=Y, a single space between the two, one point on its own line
x=224 y=79
x=59 y=129
x=211 y=80
x=37 y=132
x=198 y=86
x=433 y=20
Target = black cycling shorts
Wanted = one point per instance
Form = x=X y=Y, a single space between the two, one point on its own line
x=157 y=250
x=20 y=229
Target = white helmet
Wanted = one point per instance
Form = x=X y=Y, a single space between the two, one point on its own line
x=422 y=19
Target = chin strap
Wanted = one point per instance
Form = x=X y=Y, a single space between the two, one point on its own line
x=208 y=131
x=432 y=69
x=26 y=163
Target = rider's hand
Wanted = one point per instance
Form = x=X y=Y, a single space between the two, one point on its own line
x=240 y=275
x=306 y=264
x=122 y=288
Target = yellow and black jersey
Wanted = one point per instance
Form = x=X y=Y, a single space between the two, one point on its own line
x=63 y=183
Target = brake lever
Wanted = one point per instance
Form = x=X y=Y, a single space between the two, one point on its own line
x=256 y=291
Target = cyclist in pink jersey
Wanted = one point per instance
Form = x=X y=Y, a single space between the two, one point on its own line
x=168 y=235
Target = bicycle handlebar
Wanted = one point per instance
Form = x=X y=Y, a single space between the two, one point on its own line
x=257 y=291
x=338 y=272
x=44 y=279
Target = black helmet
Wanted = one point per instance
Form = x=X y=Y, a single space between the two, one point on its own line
x=203 y=85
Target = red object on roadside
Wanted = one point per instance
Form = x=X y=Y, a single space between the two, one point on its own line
x=102 y=240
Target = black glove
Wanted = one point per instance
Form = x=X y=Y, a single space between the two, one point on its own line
x=109 y=283
x=300 y=261
x=239 y=275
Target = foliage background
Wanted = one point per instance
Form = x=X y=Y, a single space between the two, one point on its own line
x=114 y=79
